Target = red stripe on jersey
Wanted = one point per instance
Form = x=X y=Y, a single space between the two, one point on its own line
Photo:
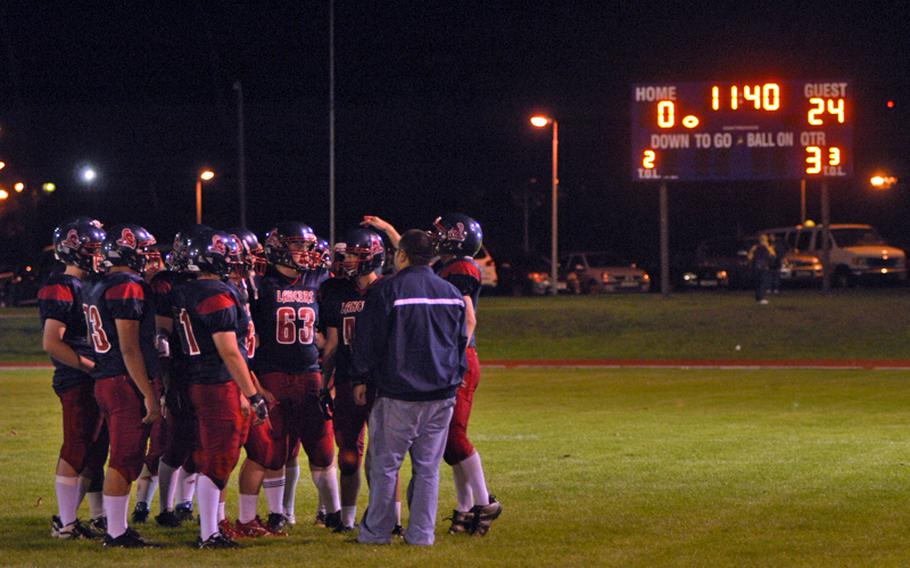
x=57 y=292
x=214 y=303
x=125 y=291
x=161 y=286
x=461 y=267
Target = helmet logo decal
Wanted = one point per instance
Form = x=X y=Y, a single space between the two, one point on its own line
x=72 y=239
x=456 y=233
x=376 y=246
x=218 y=245
x=127 y=239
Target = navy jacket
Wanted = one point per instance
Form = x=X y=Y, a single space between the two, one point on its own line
x=410 y=338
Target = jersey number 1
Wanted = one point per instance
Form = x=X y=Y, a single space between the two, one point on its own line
x=191 y=344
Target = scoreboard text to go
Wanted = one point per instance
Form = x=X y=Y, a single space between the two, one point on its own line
x=742 y=131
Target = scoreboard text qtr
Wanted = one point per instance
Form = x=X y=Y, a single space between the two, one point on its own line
x=742 y=131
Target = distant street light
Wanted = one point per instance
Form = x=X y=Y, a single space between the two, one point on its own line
x=882 y=181
x=49 y=187
x=4 y=195
x=540 y=121
x=2 y=165
x=19 y=187
x=88 y=174
x=204 y=175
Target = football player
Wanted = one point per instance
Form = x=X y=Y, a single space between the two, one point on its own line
x=458 y=239
x=213 y=327
x=80 y=467
x=358 y=263
x=286 y=316
x=121 y=325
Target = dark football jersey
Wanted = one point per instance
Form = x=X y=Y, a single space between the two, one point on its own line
x=119 y=295
x=341 y=301
x=205 y=307
x=247 y=290
x=163 y=285
x=286 y=315
x=464 y=274
x=61 y=299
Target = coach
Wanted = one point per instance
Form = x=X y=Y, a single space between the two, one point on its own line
x=410 y=344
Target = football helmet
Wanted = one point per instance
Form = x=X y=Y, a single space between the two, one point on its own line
x=287 y=240
x=176 y=258
x=321 y=257
x=78 y=242
x=214 y=252
x=457 y=234
x=129 y=245
x=252 y=253
x=361 y=252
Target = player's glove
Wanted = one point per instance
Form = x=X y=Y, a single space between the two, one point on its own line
x=162 y=345
x=326 y=403
x=259 y=406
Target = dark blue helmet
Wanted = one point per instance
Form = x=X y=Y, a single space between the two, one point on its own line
x=176 y=258
x=288 y=239
x=129 y=245
x=214 y=252
x=252 y=253
x=361 y=252
x=321 y=257
x=457 y=234
x=78 y=242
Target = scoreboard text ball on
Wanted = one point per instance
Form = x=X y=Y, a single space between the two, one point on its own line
x=717 y=131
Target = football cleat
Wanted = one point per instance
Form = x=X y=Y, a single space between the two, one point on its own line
x=168 y=519
x=398 y=531
x=227 y=529
x=216 y=541
x=320 y=518
x=333 y=520
x=184 y=511
x=291 y=517
x=484 y=516
x=252 y=529
x=343 y=529
x=461 y=522
x=140 y=513
x=129 y=539
x=72 y=531
x=97 y=527
x=276 y=524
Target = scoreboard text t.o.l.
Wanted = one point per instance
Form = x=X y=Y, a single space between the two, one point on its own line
x=742 y=131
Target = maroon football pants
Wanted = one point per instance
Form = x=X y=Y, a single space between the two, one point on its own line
x=85 y=438
x=123 y=409
x=219 y=430
x=297 y=415
x=458 y=446
x=349 y=423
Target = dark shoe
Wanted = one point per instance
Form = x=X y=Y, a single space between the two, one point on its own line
x=484 y=516
x=72 y=531
x=333 y=520
x=97 y=527
x=184 y=511
x=217 y=540
x=320 y=518
x=129 y=539
x=140 y=513
x=343 y=529
x=277 y=524
x=168 y=519
x=398 y=531
x=461 y=522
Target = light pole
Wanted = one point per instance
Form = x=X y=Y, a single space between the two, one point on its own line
x=539 y=121
x=241 y=157
x=204 y=175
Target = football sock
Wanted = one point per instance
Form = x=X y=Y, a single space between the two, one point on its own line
x=145 y=489
x=463 y=496
x=208 y=499
x=274 y=494
x=95 y=504
x=248 y=504
x=115 y=509
x=291 y=477
x=68 y=493
x=348 y=515
x=220 y=511
x=186 y=486
x=168 y=487
x=473 y=471
x=397 y=512
x=326 y=482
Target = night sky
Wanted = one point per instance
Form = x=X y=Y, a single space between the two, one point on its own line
x=432 y=102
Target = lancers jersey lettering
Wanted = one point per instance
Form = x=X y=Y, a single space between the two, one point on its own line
x=286 y=315
x=341 y=302
x=464 y=274
x=205 y=307
x=123 y=296
x=61 y=299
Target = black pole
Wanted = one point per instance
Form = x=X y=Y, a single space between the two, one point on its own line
x=241 y=155
x=664 y=242
x=826 y=239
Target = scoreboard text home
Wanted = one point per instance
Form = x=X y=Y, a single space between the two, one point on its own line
x=742 y=131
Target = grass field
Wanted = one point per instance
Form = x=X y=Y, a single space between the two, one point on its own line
x=620 y=467
x=856 y=323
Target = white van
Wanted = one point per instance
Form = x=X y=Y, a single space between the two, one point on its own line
x=857 y=251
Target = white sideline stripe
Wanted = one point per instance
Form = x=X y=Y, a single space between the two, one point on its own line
x=429 y=301
x=724 y=367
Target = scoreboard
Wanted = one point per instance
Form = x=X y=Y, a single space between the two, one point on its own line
x=721 y=130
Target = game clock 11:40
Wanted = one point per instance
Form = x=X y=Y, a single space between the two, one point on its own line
x=723 y=130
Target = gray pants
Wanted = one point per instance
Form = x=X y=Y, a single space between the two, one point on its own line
x=398 y=427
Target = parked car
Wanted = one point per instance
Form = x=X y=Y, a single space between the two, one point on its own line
x=857 y=252
x=728 y=255
x=705 y=276
x=525 y=275
x=601 y=271
x=488 y=277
